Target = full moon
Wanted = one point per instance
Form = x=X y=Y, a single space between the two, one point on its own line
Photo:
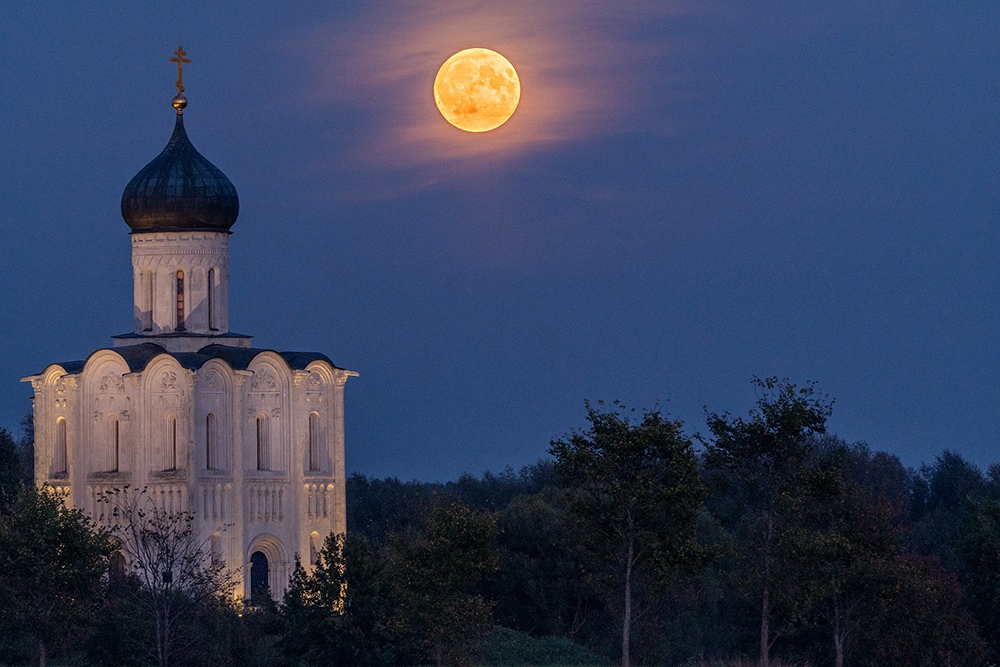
x=477 y=90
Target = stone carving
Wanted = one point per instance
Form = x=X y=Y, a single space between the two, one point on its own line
x=112 y=382
x=264 y=381
x=61 y=385
x=168 y=380
x=315 y=381
x=276 y=413
x=212 y=381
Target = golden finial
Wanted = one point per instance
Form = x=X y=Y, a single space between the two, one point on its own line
x=179 y=100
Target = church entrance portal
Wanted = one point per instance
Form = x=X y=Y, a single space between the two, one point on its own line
x=258 y=576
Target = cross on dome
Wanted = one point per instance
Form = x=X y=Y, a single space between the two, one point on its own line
x=180 y=60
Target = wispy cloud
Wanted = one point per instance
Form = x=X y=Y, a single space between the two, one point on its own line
x=584 y=69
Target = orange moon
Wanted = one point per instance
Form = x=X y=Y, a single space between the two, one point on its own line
x=477 y=90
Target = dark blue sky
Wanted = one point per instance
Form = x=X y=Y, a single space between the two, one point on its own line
x=691 y=194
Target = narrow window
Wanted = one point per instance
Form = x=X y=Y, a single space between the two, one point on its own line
x=313 y=548
x=115 y=462
x=313 y=441
x=211 y=301
x=259 y=576
x=172 y=443
x=215 y=548
x=180 y=300
x=59 y=456
x=149 y=302
x=263 y=443
x=211 y=446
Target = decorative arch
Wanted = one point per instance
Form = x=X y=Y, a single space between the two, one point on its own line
x=276 y=560
x=268 y=396
x=213 y=409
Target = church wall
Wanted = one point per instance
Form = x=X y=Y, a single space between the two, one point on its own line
x=156 y=258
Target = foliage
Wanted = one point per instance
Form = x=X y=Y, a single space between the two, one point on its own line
x=759 y=463
x=980 y=549
x=11 y=475
x=636 y=493
x=180 y=590
x=336 y=611
x=52 y=560
x=434 y=574
x=921 y=620
x=537 y=586
x=503 y=647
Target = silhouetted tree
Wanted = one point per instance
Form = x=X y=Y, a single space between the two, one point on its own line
x=762 y=459
x=52 y=560
x=434 y=574
x=179 y=584
x=337 y=611
x=636 y=492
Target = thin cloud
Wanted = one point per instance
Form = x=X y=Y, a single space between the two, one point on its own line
x=584 y=70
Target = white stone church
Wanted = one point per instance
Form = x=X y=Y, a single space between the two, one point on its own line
x=249 y=440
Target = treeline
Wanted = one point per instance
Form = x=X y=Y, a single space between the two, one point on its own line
x=767 y=540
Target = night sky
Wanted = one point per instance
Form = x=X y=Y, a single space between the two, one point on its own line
x=690 y=194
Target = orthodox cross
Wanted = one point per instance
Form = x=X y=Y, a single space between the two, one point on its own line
x=180 y=60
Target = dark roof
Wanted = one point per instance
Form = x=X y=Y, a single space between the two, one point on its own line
x=138 y=357
x=180 y=191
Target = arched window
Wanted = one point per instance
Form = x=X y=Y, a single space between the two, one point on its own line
x=263 y=442
x=171 y=443
x=215 y=548
x=180 y=300
x=59 y=454
x=259 y=574
x=115 y=451
x=211 y=301
x=314 y=441
x=314 y=548
x=211 y=443
x=147 y=324
x=116 y=566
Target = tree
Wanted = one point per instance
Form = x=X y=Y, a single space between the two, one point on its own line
x=636 y=493
x=844 y=536
x=52 y=560
x=11 y=477
x=336 y=612
x=761 y=459
x=921 y=619
x=178 y=582
x=434 y=574
x=538 y=587
x=980 y=548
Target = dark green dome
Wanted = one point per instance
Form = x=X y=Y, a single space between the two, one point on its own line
x=180 y=191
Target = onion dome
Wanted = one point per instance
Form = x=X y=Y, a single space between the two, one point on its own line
x=180 y=190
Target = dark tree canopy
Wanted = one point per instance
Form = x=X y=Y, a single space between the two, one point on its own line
x=636 y=493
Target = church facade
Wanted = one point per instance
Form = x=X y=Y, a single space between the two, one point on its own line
x=250 y=441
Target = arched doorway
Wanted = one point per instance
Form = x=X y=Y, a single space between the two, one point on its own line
x=259 y=572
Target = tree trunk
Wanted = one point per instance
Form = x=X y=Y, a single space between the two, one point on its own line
x=41 y=653
x=838 y=636
x=627 y=620
x=765 y=606
x=765 y=627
